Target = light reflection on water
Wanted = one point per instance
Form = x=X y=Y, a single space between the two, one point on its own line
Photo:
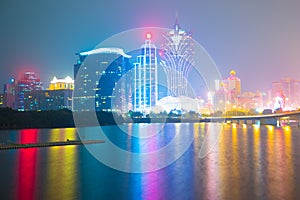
x=248 y=162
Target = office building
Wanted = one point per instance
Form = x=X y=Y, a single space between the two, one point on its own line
x=29 y=82
x=41 y=100
x=10 y=93
x=227 y=92
x=97 y=74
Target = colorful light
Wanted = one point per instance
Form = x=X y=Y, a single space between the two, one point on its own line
x=148 y=36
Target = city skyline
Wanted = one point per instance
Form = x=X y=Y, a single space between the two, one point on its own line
x=256 y=39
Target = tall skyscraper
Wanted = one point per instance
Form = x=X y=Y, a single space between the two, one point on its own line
x=177 y=56
x=227 y=91
x=233 y=86
x=97 y=73
x=145 y=78
x=29 y=82
x=10 y=93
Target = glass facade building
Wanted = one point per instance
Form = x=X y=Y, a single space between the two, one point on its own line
x=145 y=86
x=97 y=74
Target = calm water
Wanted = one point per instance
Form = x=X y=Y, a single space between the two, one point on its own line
x=247 y=162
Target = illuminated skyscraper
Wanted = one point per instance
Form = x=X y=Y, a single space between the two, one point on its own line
x=145 y=78
x=96 y=75
x=29 y=82
x=233 y=83
x=10 y=93
x=177 y=56
x=227 y=91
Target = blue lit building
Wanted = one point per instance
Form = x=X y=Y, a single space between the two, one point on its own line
x=97 y=81
x=145 y=85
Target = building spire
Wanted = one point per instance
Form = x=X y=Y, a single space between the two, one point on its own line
x=176 y=26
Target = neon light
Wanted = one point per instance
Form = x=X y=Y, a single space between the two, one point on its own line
x=148 y=36
x=177 y=59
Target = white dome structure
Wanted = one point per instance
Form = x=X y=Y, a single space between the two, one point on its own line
x=182 y=103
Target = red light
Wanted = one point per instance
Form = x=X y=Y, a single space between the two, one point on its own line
x=148 y=36
x=161 y=53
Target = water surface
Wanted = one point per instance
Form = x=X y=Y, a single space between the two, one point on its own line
x=248 y=162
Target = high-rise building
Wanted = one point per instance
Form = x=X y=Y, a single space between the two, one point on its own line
x=250 y=100
x=57 y=96
x=29 y=82
x=233 y=87
x=2 y=103
x=289 y=90
x=227 y=92
x=47 y=100
x=145 y=87
x=177 y=58
x=96 y=74
x=10 y=93
x=233 y=83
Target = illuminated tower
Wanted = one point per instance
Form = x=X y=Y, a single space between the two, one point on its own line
x=177 y=56
x=145 y=78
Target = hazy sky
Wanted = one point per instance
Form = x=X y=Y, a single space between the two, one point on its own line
x=260 y=39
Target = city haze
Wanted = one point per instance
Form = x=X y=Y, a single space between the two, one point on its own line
x=259 y=40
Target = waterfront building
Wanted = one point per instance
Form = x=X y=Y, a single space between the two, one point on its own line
x=145 y=85
x=289 y=90
x=29 y=82
x=227 y=92
x=251 y=100
x=232 y=85
x=177 y=58
x=10 y=93
x=220 y=100
x=2 y=103
x=62 y=84
x=57 y=96
x=97 y=72
x=41 y=100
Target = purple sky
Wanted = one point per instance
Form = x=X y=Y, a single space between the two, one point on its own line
x=260 y=40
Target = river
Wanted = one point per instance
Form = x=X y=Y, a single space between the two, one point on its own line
x=240 y=162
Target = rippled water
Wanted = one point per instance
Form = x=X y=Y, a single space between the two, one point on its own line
x=247 y=162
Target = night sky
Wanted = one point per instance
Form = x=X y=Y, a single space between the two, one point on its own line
x=260 y=40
